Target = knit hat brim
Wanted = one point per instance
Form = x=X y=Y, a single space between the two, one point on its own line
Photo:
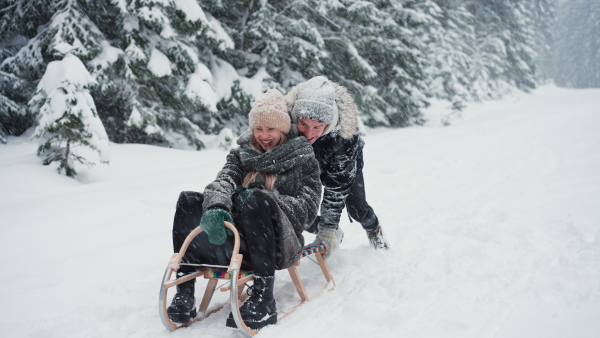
x=316 y=101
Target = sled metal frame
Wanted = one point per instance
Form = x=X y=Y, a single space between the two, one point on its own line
x=237 y=280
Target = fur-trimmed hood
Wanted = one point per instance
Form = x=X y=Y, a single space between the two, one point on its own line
x=347 y=122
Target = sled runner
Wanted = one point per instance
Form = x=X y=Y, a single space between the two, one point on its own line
x=236 y=278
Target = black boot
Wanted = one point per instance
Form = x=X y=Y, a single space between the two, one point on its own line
x=376 y=238
x=183 y=307
x=260 y=309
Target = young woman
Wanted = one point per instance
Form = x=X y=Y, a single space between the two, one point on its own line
x=269 y=188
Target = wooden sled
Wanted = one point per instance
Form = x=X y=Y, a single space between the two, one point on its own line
x=236 y=278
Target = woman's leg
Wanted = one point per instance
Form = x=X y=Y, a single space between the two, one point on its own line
x=260 y=231
x=258 y=227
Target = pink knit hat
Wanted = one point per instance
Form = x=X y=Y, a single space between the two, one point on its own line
x=270 y=110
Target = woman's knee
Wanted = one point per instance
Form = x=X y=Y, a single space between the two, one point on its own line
x=257 y=209
x=187 y=198
x=187 y=216
x=254 y=203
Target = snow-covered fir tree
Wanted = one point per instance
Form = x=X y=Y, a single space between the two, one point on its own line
x=271 y=37
x=400 y=63
x=544 y=18
x=504 y=51
x=576 y=62
x=351 y=42
x=450 y=41
x=168 y=71
x=373 y=50
x=155 y=86
x=19 y=22
x=13 y=117
x=50 y=29
x=149 y=58
x=482 y=49
x=69 y=129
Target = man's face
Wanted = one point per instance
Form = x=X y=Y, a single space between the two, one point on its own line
x=311 y=129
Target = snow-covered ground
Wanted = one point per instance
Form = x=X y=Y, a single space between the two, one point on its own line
x=493 y=221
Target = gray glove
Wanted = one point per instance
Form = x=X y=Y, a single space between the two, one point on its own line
x=327 y=236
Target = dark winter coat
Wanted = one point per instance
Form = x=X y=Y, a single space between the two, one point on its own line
x=295 y=196
x=339 y=153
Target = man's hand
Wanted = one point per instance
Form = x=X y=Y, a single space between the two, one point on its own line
x=327 y=237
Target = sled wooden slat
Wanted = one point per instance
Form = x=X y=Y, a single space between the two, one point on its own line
x=325 y=268
x=208 y=292
x=185 y=278
x=298 y=283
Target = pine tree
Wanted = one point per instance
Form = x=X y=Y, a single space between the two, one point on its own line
x=276 y=36
x=14 y=119
x=450 y=41
x=154 y=60
x=149 y=58
x=151 y=72
x=379 y=59
x=63 y=29
x=504 y=53
x=346 y=41
x=19 y=21
x=577 y=48
x=272 y=44
x=69 y=129
x=545 y=24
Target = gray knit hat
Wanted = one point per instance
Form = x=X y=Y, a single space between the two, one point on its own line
x=270 y=110
x=316 y=101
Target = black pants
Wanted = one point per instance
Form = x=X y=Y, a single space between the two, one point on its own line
x=357 y=206
x=256 y=225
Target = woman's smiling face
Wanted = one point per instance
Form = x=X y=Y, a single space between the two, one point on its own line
x=267 y=137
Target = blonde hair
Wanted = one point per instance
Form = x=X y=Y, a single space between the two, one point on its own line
x=269 y=178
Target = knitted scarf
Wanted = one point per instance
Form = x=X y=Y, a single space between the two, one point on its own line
x=280 y=159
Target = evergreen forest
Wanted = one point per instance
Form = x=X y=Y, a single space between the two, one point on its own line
x=82 y=73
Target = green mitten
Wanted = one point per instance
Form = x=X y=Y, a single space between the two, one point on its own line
x=212 y=223
x=240 y=196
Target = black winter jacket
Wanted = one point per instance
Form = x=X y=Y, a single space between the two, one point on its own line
x=339 y=160
x=339 y=153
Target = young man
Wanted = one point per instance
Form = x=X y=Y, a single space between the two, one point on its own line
x=327 y=116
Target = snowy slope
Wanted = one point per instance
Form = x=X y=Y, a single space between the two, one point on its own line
x=493 y=221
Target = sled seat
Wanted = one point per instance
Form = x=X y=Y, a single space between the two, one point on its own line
x=237 y=281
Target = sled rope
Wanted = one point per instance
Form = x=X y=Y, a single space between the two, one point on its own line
x=223 y=274
x=309 y=250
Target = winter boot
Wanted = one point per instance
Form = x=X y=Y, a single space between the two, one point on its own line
x=183 y=307
x=260 y=309
x=376 y=238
